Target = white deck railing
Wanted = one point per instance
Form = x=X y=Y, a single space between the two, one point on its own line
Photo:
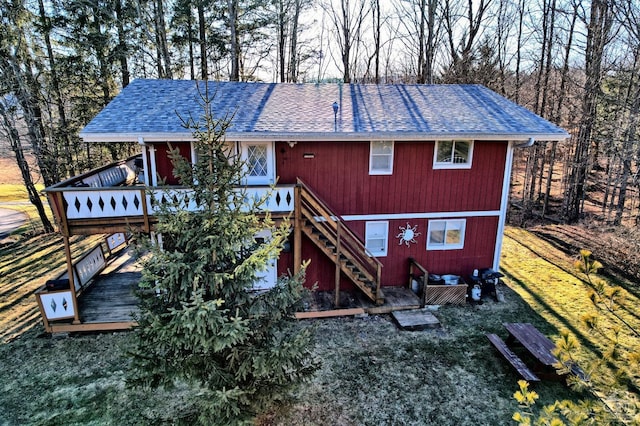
x=96 y=203
x=112 y=192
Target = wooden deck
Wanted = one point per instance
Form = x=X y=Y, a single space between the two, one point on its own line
x=110 y=302
x=320 y=304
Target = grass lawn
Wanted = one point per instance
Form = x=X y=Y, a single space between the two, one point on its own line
x=372 y=373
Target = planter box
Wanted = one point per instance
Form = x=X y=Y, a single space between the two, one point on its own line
x=446 y=294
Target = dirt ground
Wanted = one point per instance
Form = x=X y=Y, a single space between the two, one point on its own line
x=10 y=173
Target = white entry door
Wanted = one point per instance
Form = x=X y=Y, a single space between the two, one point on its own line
x=259 y=160
x=268 y=277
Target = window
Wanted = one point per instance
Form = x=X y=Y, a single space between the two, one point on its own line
x=258 y=162
x=376 y=236
x=446 y=234
x=453 y=155
x=381 y=158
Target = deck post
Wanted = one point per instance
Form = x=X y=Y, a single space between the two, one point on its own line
x=64 y=225
x=297 y=230
x=378 y=278
x=45 y=321
x=145 y=211
x=337 y=295
x=72 y=284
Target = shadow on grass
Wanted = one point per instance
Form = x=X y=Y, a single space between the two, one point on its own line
x=611 y=272
x=627 y=307
x=584 y=340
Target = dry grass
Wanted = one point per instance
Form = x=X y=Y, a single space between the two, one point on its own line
x=24 y=267
x=10 y=173
x=13 y=195
x=372 y=373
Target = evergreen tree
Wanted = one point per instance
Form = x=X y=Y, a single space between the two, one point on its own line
x=200 y=321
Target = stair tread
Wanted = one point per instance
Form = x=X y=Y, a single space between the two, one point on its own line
x=326 y=238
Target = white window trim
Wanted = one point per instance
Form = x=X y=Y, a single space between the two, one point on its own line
x=380 y=172
x=385 y=236
x=271 y=165
x=450 y=165
x=446 y=246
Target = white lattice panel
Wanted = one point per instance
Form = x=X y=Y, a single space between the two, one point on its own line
x=116 y=240
x=90 y=265
x=105 y=203
x=57 y=305
x=278 y=199
x=93 y=204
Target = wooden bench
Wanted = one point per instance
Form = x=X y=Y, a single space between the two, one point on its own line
x=512 y=358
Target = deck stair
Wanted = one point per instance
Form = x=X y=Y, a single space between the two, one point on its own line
x=329 y=232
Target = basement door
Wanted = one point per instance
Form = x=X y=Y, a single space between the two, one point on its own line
x=268 y=277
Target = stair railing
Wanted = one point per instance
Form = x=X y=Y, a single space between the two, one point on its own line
x=424 y=279
x=332 y=226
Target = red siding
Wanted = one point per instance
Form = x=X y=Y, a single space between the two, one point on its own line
x=339 y=173
x=164 y=167
x=479 y=247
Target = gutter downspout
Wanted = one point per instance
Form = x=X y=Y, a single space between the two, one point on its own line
x=526 y=144
x=504 y=203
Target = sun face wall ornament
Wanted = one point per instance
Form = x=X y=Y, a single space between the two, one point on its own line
x=407 y=234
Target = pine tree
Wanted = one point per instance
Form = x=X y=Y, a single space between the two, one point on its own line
x=200 y=321
x=610 y=380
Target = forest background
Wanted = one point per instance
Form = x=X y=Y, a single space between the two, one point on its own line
x=575 y=63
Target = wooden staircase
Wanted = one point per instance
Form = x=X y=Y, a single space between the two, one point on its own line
x=330 y=234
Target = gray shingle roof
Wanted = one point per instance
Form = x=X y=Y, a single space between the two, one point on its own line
x=152 y=109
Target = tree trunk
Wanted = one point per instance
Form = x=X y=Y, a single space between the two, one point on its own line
x=164 y=56
x=518 y=50
x=630 y=136
x=234 y=40
x=293 y=44
x=346 y=48
x=16 y=146
x=282 y=40
x=598 y=29
x=123 y=50
x=202 y=30
x=376 y=38
x=421 y=42
x=63 y=126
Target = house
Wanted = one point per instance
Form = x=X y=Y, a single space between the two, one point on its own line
x=380 y=174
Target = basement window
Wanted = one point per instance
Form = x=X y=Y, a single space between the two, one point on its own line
x=446 y=234
x=376 y=238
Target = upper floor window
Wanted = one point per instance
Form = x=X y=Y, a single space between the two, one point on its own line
x=446 y=234
x=259 y=162
x=376 y=237
x=453 y=155
x=381 y=158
